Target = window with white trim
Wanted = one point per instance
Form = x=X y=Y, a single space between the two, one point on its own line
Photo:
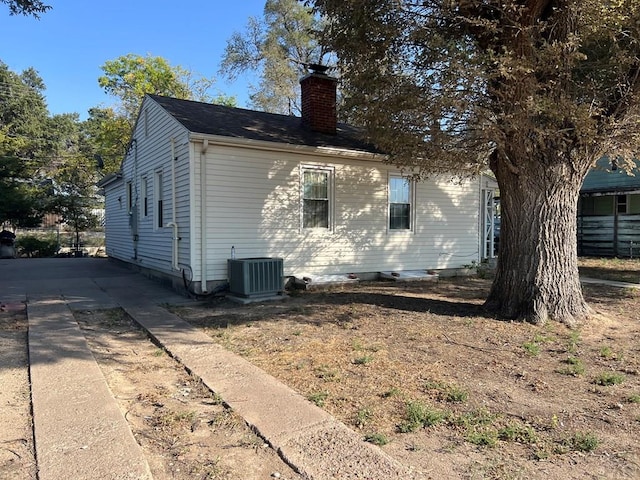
x=316 y=197
x=129 y=197
x=145 y=197
x=400 y=203
x=158 y=199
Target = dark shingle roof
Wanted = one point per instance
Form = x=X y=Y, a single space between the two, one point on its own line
x=212 y=119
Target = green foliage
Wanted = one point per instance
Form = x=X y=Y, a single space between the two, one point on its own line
x=363 y=416
x=483 y=437
x=277 y=47
x=574 y=367
x=25 y=133
x=130 y=77
x=108 y=134
x=532 y=348
x=318 y=398
x=449 y=393
x=31 y=246
x=392 y=392
x=377 y=439
x=477 y=418
x=635 y=398
x=516 y=432
x=26 y=7
x=607 y=353
x=363 y=360
x=606 y=379
x=582 y=442
x=418 y=415
x=574 y=342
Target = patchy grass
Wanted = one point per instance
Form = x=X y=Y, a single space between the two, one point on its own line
x=449 y=384
x=377 y=439
x=606 y=379
x=573 y=366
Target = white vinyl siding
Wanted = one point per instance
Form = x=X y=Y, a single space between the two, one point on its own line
x=152 y=152
x=254 y=201
x=254 y=204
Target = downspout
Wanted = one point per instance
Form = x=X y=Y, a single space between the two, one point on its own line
x=203 y=216
x=174 y=223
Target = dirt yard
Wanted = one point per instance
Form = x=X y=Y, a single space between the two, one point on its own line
x=417 y=368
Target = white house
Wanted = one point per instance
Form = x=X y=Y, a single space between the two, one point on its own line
x=200 y=180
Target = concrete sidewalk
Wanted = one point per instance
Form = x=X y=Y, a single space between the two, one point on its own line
x=79 y=431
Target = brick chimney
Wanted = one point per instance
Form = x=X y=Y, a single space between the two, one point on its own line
x=319 y=100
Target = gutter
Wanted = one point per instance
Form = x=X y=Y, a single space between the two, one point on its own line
x=220 y=140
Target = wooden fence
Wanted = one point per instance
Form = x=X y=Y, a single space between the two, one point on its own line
x=609 y=236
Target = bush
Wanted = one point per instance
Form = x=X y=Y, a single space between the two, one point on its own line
x=32 y=247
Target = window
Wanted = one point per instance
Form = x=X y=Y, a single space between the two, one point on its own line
x=129 y=197
x=622 y=204
x=399 y=203
x=145 y=197
x=158 y=194
x=316 y=186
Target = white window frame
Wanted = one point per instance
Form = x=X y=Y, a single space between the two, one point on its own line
x=330 y=172
x=158 y=200
x=412 y=204
x=145 y=196
x=129 y=196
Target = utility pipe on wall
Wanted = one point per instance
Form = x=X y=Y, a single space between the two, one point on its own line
x=203 y=215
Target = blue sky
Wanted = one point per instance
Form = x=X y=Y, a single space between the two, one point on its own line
x=68 y=44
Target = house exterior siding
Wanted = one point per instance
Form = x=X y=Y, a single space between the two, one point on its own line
x=152 y=152
x=231 y=191
x=253 y=203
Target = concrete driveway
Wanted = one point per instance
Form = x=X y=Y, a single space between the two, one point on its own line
x=81 y=282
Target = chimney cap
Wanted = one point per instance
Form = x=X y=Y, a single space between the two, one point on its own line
x=318 y=68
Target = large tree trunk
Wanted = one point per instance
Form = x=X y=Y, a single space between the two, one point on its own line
x=537 y=274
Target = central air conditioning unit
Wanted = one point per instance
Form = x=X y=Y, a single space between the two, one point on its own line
x=255 y=277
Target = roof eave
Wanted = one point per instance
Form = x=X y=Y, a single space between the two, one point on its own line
x=326 y=151
x=109 y=179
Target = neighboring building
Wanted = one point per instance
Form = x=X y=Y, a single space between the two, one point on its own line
x=609 y=212
x=200 y=180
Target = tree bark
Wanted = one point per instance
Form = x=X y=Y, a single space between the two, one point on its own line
x=537 y=274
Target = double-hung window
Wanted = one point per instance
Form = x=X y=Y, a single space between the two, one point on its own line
x=316 y=198
x=159 y=197
x=400 y=200
x=145 y=197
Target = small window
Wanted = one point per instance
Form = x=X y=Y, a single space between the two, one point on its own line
x=145 y=197
x=399 y=203
x=316 y=185
x=622 y=204
x=159 y=197
x=129 y=197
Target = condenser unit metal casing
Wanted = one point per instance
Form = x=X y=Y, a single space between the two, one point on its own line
x=255 y=277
